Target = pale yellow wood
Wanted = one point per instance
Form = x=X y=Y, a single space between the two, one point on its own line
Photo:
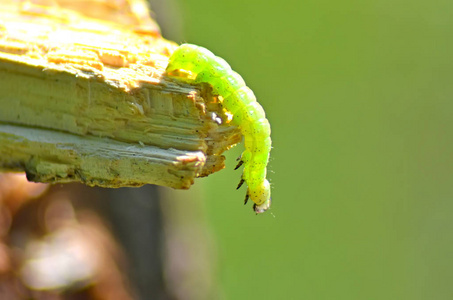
x=52 y=156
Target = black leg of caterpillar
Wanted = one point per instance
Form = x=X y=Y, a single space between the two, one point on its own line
x=240 y=183
x=254 y=208
x=239 y=164
x=246 y=199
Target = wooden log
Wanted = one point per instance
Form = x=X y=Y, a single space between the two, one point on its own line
x=83 y=99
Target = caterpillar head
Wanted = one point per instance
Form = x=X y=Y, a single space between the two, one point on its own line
x=262 y=207
x=261 y=195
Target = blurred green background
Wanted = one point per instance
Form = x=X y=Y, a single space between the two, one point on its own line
x=359 y=96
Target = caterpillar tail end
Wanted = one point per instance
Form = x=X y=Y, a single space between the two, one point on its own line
x=259 y=209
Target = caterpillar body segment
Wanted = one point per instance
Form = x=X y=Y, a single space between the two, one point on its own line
x=194 y=64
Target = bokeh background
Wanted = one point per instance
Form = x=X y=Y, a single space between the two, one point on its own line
x=359 y=96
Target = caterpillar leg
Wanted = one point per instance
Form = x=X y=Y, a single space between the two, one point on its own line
x=243 y=158
x=239 y=164
x=246 y=198
x=240 y=183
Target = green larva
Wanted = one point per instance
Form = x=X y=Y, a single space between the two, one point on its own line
x=196 y=64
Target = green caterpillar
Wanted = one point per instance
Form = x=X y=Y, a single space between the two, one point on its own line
x=194 y=64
